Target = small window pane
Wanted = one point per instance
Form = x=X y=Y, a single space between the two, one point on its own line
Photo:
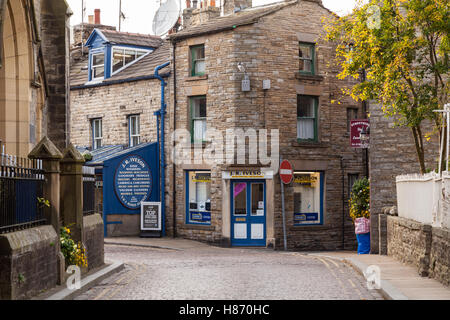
x=200 y=67
x=130 y=56
x=352 y=114
x=305 y=129
x=199 y=130
x=240 y=198
x=257 y=199
x=117 y=59
x=199 y=52
x=305 y=52
x=98 y=59
x=305 y=107
x=99 y=72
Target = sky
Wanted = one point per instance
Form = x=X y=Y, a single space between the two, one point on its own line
x=139 y=13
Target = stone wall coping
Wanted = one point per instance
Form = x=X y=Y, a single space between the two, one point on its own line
x=411 y=224
x=416 y=177
x=441 y=233
x=23 y=241
x=92 y=221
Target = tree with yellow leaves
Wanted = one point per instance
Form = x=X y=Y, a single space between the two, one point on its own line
x=403 y=48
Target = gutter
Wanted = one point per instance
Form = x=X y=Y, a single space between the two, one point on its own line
x=104 y=84
x=162 y=153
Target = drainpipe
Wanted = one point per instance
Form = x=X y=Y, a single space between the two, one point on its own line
x=162 y=158
x=174 y=192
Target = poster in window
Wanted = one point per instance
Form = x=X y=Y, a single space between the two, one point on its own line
x=308 y=198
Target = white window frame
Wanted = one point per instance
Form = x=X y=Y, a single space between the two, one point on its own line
x=97 y=66
x=138 y=131
x=116 y=48
x=97 y=122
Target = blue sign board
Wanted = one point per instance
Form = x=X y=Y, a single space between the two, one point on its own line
x=133 y=181
x=200 y=217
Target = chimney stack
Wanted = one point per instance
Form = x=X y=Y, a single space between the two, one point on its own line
x=91 y=19
x=232 y=6
x=97 y=16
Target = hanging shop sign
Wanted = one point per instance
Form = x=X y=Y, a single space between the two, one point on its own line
x=356 y=127
x=133 y=181
x=151 y=216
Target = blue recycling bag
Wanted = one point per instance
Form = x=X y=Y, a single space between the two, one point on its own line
x=363 y=243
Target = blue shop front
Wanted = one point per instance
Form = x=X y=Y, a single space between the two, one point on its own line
x=129 y=177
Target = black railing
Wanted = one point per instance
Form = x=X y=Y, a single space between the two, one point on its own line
x=88 y=191
x=21 y=187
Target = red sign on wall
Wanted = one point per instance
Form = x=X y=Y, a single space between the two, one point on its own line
x=356 y=126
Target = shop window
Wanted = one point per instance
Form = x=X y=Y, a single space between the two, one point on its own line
x=122 y=57
x=198 y=118
x=97 y=133
x=134 y=128
x=98 y=66
x=307 y=109
x=308 y=198
x=198 y=67
x=306 y=53
x=198 y=197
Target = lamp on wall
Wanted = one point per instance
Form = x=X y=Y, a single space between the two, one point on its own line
x=364 y=136
x=246 y=80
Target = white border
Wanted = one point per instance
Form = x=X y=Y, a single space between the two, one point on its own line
x=159 y=216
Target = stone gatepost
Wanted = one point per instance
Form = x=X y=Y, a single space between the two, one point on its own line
x=46 y=151
x=72 y=191
x=50 y=155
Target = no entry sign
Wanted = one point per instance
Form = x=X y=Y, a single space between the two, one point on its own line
x=286 y=172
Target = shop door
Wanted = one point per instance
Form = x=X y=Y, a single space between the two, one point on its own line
x=248 y=213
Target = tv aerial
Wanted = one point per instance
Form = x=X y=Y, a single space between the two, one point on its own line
x=166 y=17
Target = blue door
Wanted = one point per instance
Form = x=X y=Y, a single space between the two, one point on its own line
x=248 y=213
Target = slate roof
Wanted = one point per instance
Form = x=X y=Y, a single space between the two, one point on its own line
x=231 y=21
x=142 y=68
x=110 y=152
x=146 y=40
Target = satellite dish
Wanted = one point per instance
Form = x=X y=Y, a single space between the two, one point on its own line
x=166 y=17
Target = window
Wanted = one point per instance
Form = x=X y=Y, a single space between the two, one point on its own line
x=198 y=118
x=352 y=114
x=308 y=198
x=198 y=206
x=134 y=128
x=98 y=66
x=307 y=118
x=306 y=53
x=197 y=60
x=97 y=133
x=122 y=57
x=352 y=177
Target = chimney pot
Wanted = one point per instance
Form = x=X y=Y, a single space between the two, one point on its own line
x=97 y=16
x=188 y=3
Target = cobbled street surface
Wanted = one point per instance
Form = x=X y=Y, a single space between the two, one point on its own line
x=210 y=273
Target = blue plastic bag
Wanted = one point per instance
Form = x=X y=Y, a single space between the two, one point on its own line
x=363 y=243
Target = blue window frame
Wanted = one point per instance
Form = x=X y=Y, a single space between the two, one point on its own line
x=198 y=197
x=308 y=198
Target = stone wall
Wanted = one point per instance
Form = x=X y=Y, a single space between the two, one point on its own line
x=440 y=255
x=28 y=262
x=420 y=245
x=114 y=103
x=93 y=240
x=392 y=153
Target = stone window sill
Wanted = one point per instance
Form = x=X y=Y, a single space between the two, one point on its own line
x=309 y=228
x=305 y=144
x=311 y=77
x=196 y=78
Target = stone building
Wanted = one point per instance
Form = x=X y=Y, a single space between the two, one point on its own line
x=114 y=91
x=114 y=96
x=288 y=90
x=34 y=41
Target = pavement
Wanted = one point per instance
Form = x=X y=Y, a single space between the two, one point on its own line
x=167 y=269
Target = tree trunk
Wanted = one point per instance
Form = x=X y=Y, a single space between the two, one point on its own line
x=419 y=147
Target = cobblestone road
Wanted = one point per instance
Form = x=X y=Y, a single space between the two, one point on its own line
x=209 y=273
